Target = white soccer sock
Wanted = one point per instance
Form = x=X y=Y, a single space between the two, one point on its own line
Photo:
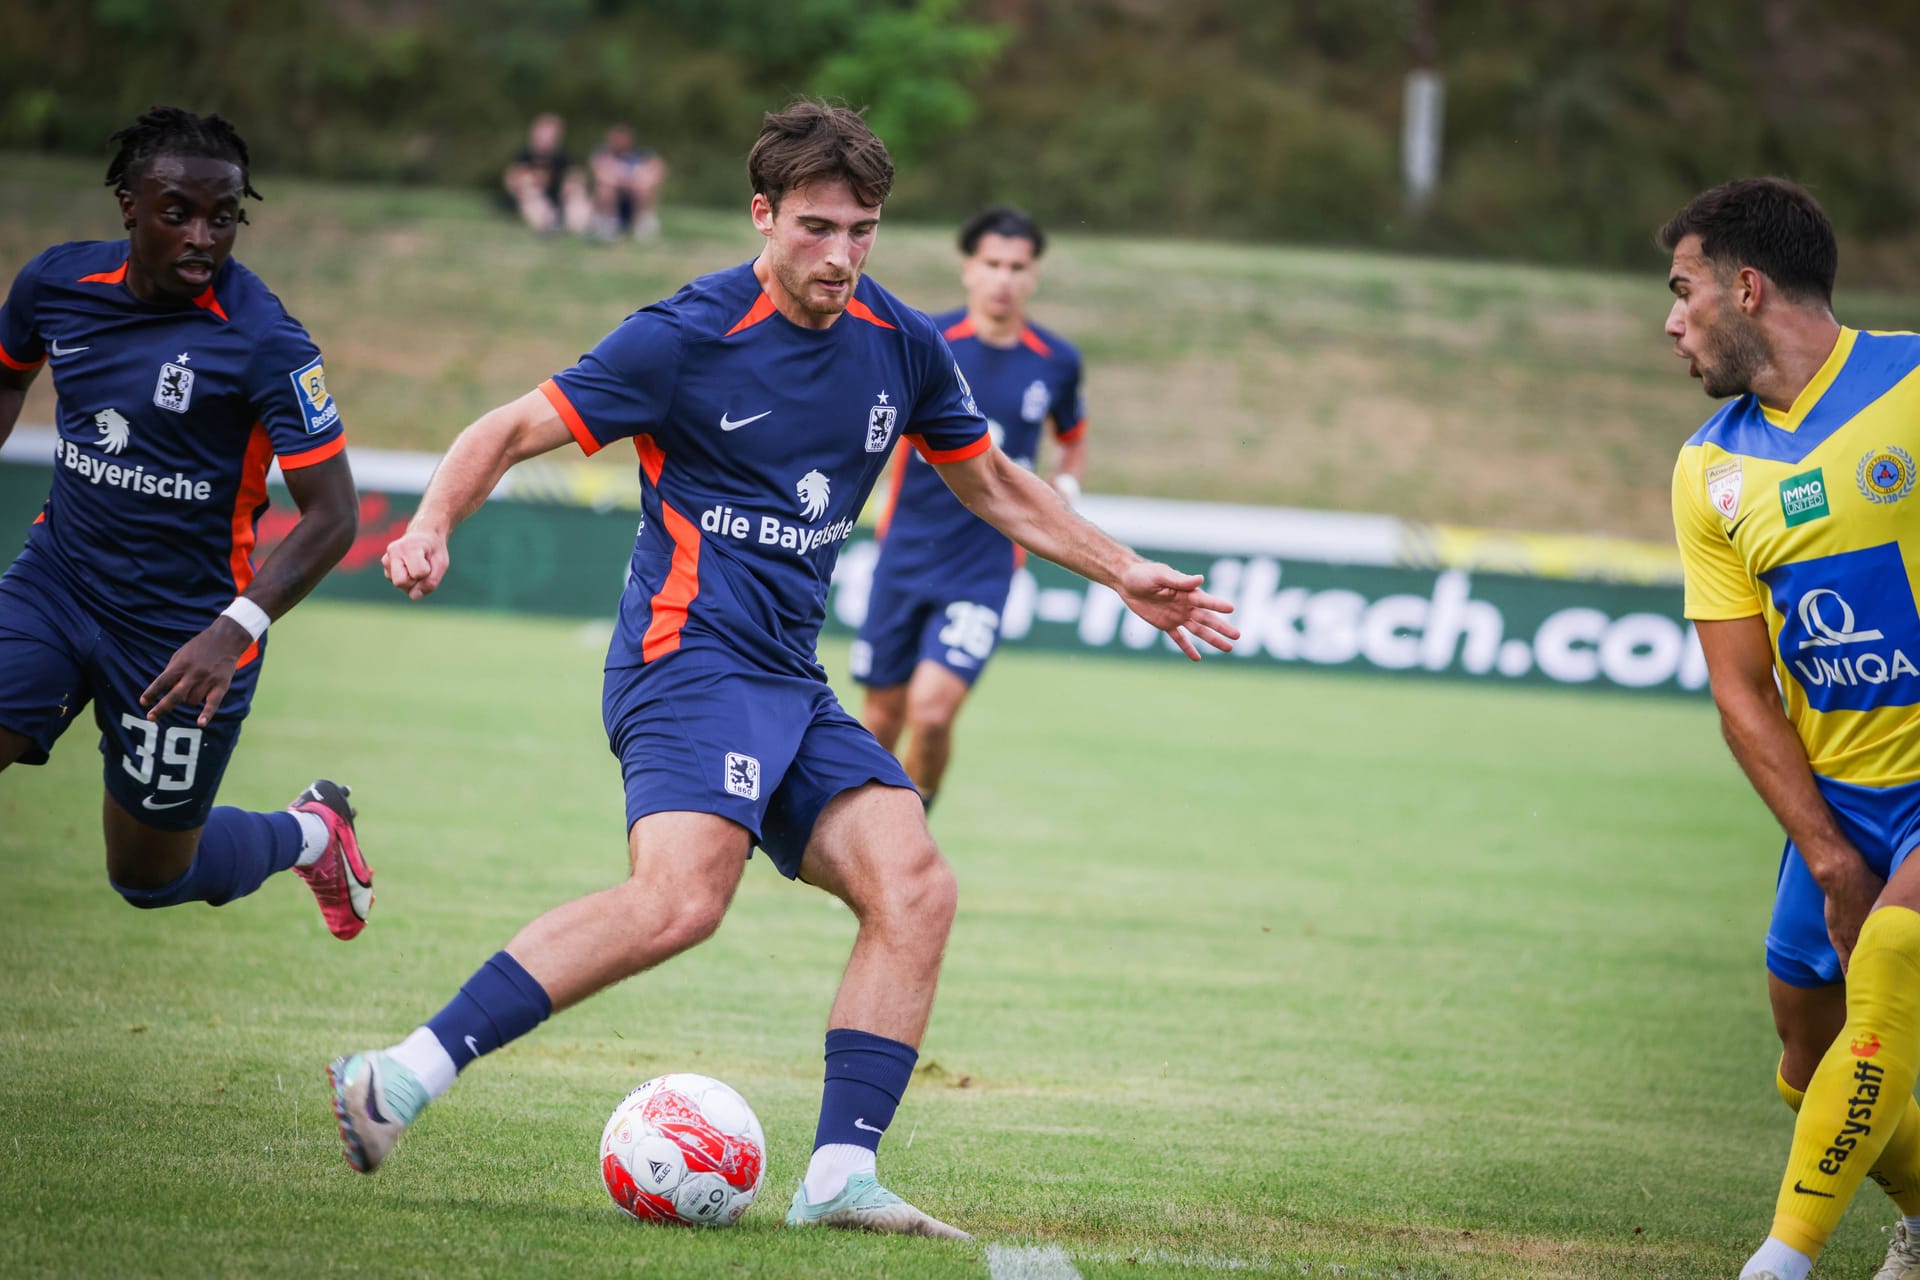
x=314 y=837
x=832 y=1165
x=1781 y=1259
x=424 y=1055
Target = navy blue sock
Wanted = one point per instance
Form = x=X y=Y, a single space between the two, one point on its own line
x=238 y=851
x=866 y=1074
x=501 y=1002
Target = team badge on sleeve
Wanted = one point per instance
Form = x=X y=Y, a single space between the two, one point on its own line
x=174 y=390
x=966 y=392
x=316 y=404
x=1723 y=488
x=1885 y=475
x=1035 y=403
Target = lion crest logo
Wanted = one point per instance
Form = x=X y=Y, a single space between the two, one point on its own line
x=814 y=493
x=113 y=430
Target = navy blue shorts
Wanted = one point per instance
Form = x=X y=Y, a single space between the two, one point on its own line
x=1884 y=825
x=700 y=733
x=954 y=624
x=55 y=658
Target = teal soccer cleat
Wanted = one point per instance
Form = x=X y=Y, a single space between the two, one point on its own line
x=864 y=1205
x=374 y=1099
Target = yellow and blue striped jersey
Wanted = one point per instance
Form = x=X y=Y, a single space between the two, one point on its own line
x=1809 y=518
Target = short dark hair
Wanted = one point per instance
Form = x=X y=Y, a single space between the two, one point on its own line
x=1002 y=220
x=172 y=131
x=812 y=141
x=1769 y=224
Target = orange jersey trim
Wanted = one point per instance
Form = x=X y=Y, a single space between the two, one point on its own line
x=1072 y=433
x=22 y=365
x=761 y=309
x=1033 y=342
x=41 y=518
x=671 y=603
x=295 y=461
x=571 y=416
x=961 y=328
x=902 y=460
x=116 y=276
x=965 y=451
x=207 y=302
x=251 y=495
x=861 y=311
x=246 y=500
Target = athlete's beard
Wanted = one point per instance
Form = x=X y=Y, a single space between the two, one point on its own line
x=1736 y=352
x=798 y=286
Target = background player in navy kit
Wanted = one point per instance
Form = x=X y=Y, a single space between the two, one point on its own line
x=762 y=402
x=179 y=377
x=940 y=586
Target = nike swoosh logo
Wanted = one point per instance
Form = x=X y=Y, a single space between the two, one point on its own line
x=1808 y=1191
x=1735 y=526
x=58 y=350
x=473 y=1046
x=148 y=803
x=373 y=1098
x=862 y=1124
x=729 y=424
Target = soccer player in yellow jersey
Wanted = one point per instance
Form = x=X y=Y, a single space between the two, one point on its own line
x=1799 y=529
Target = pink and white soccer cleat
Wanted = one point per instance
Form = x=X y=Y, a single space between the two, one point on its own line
x=340 y=878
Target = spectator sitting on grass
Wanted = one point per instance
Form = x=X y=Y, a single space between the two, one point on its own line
x=626 y=187
x=548 y=190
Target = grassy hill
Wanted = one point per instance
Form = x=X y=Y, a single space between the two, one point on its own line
x=1518 y=397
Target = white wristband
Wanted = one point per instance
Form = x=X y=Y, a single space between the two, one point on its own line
x=248 y=615
x=1068 y=488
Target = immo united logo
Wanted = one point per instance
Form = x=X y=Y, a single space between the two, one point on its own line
x=1850 y=630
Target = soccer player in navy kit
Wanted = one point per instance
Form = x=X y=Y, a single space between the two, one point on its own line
x=940 y=586
x=179 y=378
x=762 y=402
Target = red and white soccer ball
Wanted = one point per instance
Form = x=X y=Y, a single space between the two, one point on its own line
x=683 y=1148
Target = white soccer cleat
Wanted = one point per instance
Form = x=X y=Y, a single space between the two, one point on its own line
x=1903 y=1257
x=864 y=1205
x=374 y=1100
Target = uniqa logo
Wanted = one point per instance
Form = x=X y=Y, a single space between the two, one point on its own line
x=1820 y=632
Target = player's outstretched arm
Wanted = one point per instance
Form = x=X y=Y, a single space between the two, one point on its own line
x=13 y=395
x=201 y=670
x=1028 y=510
x=1739 y=657
x=416 y=561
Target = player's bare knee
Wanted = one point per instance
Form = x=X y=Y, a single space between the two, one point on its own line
x=932 y=712
x=931 y=731
x=683 y=916
x=921 y=900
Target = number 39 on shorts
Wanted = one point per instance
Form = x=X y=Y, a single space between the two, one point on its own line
x=173 y=757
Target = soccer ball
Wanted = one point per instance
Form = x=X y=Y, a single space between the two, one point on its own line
x=683 y=1148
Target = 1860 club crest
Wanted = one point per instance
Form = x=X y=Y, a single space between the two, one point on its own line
x=174 y=390
x=880 y=421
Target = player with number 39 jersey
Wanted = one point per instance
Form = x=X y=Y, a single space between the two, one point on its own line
x=179 y=379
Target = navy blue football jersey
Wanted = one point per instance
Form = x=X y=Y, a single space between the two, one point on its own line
x=927 y=535
x=759 y=442
x=168 y=417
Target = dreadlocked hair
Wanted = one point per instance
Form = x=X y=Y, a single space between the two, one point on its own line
x=174 y=131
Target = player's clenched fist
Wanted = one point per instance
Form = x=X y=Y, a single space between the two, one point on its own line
x=415 y=562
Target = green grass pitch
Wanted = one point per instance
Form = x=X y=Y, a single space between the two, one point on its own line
x=1253 y=971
